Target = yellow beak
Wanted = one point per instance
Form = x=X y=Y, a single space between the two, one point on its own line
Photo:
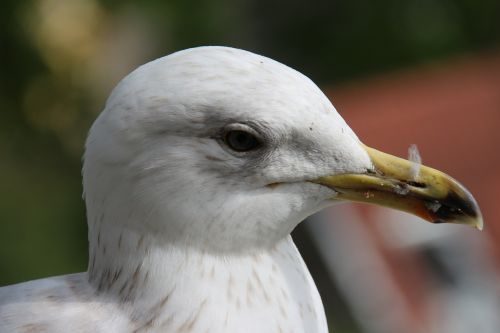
x=397 y=183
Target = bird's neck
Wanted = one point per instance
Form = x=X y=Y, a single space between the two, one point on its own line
x=156 y=281
x=124 y=262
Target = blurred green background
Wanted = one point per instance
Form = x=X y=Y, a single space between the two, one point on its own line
x=60 y=59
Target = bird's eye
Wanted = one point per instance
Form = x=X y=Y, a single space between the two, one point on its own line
x=241 y=141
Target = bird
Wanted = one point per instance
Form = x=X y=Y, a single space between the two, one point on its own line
x=194 y=175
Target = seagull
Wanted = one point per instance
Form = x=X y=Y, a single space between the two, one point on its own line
x=194 y=176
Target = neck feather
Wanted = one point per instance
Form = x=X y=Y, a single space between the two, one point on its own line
x=169 y=287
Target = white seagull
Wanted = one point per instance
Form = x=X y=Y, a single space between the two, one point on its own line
x=195 y=173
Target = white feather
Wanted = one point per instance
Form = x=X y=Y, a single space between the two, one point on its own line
x=414 y=157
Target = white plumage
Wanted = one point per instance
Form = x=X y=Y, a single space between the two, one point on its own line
x=186 y=234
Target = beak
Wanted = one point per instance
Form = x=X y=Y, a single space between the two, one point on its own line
x=397 y=183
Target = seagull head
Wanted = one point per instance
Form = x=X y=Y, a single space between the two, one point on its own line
x=224 y=150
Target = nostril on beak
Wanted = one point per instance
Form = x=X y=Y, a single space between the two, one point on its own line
x=416 y=184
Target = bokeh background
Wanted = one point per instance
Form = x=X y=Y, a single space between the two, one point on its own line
x=400 y=72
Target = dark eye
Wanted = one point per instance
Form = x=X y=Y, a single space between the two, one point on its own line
x=241 y=141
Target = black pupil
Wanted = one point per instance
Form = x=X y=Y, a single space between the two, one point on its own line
x=241 y=141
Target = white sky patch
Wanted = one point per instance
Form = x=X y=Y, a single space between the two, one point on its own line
x=414 y=157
